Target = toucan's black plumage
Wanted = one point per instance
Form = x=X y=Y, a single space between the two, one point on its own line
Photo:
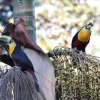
x=82 y=38
x=21 y=58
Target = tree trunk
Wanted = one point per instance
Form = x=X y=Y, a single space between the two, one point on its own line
x=25 y=9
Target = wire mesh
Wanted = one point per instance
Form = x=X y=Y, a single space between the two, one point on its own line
x=77 y=74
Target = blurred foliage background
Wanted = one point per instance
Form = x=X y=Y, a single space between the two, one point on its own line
x=58 y=20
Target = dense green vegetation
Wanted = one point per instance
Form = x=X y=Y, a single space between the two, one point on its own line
x=77 y=75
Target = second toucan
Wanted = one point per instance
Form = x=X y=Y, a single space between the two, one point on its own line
x=82 y=38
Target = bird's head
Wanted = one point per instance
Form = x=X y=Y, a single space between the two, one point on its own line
x=89 y=25
x=7 y=43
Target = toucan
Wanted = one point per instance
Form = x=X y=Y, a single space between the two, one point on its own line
x=82 y=38
x=18 y=56
x=14 y=50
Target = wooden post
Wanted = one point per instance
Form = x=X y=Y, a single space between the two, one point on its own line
x=25 y=9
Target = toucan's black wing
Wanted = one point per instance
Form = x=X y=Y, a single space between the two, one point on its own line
x=74 y=39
